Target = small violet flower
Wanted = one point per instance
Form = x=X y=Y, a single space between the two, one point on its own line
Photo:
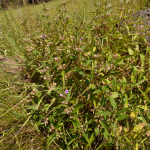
x=61 y=95
x=66 y=91
x=43 y=37
x=81 y=39
x=42 y=120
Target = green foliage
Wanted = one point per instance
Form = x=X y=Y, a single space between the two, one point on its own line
x=88 y=81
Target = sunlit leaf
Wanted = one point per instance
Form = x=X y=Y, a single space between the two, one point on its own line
x=138 y=127
x=142 y=59
x=94 y=49
x=63 y=77
x=114 y=95
x=132 y=115
x=87 y=53
x=130 y=51
x=127 y=30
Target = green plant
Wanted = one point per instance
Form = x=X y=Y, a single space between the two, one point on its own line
x=88 y=81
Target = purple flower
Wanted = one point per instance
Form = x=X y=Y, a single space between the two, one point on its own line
x=42 y=120
x=81 y=39
x=66 y=91
x=61 y=95
x=43 y=37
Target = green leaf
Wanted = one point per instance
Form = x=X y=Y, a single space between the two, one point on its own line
x=63 y=77
x=73 y=101
x=107 y=81
x=87 y=53
x=87 y=81
x=92 y=86
x=142 y=92
x=84 y=46
x=75 y=125
x=32 y=107
x=147 y=90
x=47 y=106
x=104 y=113
x=40 y=102
x=94 y=49
x=123 y=83
x=138 y=127
x=91 y=140
x=77 y=107
x=128 y=30
x=123 y=110
x=72 y=141
x=102 y=100
x=86 y=137
x=78 y=122
x=105 y=127
x=130 y=51
x=96 y=131
x=76 y=79
x=123 y=58
x=113 y=103
x=140 y=82
x=142 y=59
x=144 y=107
x=50 y=139
x=114 y=95
x=135 y=36
x=68 y=95
x=126 y=101
x=89 y=122
x=59 y=106
x=122 y=117
x=97 y=91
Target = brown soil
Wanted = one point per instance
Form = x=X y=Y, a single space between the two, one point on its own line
x=140 y=23
x=8 y=66
x=145 y=16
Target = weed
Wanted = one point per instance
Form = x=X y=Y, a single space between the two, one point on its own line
x=88 y=80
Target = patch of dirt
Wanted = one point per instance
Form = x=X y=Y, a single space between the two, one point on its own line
x=12 y=70
x=8 y=66
x=140 y=22
x=145 y=16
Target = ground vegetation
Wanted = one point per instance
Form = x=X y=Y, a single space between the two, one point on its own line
x=75 y=75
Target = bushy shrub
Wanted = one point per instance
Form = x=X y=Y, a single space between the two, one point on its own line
x=84 y=75
x=88 y=81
